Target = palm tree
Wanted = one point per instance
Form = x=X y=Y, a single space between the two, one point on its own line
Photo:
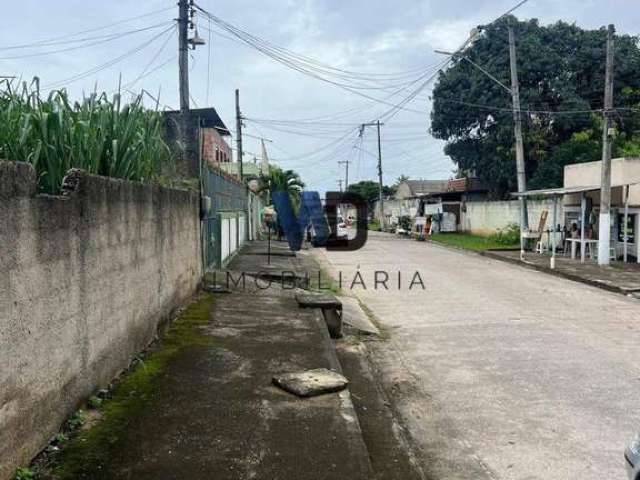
x=279 y=180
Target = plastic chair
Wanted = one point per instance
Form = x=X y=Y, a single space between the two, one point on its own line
x=541 y=247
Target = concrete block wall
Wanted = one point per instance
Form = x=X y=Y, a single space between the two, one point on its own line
x=85 y=280
x=485 y=218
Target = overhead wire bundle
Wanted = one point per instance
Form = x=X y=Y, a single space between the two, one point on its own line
x=96 y=36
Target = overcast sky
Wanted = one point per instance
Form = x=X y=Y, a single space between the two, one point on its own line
x=366 y=36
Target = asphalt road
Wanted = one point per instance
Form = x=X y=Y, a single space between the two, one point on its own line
x=501 y=372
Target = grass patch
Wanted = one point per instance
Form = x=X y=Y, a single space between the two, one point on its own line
x=470 y=242
x=374 y=225
x=321 y=281
x=92 y=447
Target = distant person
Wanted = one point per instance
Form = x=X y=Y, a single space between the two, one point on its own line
x=574 y=230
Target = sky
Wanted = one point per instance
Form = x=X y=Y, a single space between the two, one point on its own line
x=320 y=120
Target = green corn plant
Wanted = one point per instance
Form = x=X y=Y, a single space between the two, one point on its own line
x=97 y=134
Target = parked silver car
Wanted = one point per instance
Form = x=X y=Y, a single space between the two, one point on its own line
x=632 y=458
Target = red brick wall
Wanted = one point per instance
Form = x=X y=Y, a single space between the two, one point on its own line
x=214 y=148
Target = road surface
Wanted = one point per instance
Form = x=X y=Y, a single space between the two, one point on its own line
x=501 y=372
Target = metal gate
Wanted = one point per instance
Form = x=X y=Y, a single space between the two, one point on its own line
x=224 y=221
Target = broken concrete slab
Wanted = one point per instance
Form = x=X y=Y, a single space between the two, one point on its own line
x=318 y=300
x=354 y=316
x=310 y=383
x=333 y=319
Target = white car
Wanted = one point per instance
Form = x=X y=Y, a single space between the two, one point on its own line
x=632 y=458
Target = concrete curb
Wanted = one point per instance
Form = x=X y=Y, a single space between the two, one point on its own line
x=348 y=410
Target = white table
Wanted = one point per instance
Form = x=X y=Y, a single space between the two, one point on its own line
x=583 y=243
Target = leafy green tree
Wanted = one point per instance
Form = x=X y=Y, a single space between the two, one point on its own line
x=368 y=190
x=561 y=69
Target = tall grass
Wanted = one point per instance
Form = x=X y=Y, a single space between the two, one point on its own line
x=98 y=134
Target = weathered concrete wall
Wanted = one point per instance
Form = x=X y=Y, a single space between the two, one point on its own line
x=484 y=218
x=85 y=280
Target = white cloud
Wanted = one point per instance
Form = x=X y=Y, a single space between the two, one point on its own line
x=447 y=34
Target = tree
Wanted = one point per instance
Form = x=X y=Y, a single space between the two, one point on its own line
x=401 y=179
x=560 y=68
x=368 y=190
x=279 y=180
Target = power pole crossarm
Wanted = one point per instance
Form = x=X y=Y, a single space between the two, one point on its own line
x=517 y=120
x=604 y=227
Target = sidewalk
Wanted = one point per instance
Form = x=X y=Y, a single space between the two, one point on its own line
x=202 y=406
x=618 y=277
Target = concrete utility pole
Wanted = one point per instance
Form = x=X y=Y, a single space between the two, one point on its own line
x=380 y=199
x=380 y=179
x=604 y=229
x=239 y=134
x=346 y=175
x=517 y=120
x=183 y=54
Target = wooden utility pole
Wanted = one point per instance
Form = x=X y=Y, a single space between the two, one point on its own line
x=183 y=54
x=517 y=120
x=346 y=175
x=239 y=134
x=340 y=185
x=604 y=229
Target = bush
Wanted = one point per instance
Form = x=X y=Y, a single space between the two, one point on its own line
x=99 y=135
x=510 y=235
x=24 y=474
x=374 y=225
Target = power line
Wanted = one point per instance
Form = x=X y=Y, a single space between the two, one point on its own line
x=145 y=71
x=55 y=40
x=113 y=61
x=87 y=44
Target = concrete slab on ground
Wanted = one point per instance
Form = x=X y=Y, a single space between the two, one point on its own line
x=354 y=316
x=310 y=383
x=317 y=300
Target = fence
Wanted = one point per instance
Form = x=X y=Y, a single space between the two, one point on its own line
x=225 y=222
